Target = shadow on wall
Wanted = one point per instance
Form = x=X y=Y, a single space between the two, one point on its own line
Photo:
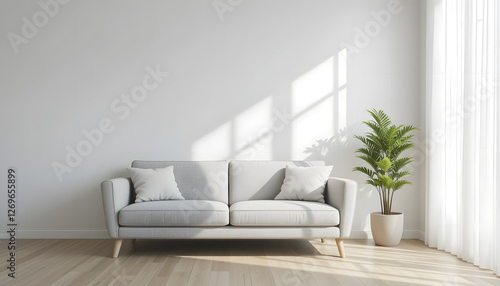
x=338 y=150
x=329 y=149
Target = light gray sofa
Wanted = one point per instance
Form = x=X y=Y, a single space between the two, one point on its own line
x=228 y=200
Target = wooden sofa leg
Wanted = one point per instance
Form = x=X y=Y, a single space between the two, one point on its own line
x=340 y=246
x=322 y=240
x=118 y=245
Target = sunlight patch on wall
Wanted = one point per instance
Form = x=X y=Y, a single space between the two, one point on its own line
x=315 y=124
x=246 y=137
x=312 y=86
x=342 y=87
x=312 y=107
x=216 y=145
x=252 y=135
x=342 y=108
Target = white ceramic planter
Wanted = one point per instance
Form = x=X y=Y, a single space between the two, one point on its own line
x=387 y=230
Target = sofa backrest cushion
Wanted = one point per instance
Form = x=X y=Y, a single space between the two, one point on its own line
x=259 y=180
x=197 y=180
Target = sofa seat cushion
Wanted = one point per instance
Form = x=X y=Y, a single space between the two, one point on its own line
x=175 y=213
x=283 y=213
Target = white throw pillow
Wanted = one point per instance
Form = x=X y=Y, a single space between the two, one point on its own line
x=304 y=183
x=154 y=184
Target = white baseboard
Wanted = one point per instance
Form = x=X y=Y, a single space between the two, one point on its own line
x=421 y=235
x=366 y=234
x=62 y=234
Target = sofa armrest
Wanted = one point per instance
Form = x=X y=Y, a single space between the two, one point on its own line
x=116 y=194
x=341 y=194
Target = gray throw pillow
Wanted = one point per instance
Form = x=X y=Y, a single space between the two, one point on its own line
x=304 y=183
x=154 y=184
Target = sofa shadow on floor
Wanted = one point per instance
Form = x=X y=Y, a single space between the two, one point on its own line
x=218 y=247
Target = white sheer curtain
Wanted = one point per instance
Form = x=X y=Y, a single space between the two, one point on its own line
x=462 y=107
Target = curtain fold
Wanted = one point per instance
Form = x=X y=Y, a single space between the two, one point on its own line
x=462 y=118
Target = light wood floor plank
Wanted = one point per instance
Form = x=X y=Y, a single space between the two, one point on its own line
x=236 y=262
x=201 y=272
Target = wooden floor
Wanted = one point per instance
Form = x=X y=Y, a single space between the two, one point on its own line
x=236 y=262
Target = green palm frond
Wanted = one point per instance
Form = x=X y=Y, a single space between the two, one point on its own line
x=377 y=183
x=397 y=176
x=384 y=164
x=400 y=149
x=378 y=134
x=380 y=117
x=400 y=183
x=380 y=144
x=370 y=161
x=365 y=170
x=400 y=163
x=372 y=153
x=405 y=129
x=371 y=182
x=367 y=141
x=386 y=181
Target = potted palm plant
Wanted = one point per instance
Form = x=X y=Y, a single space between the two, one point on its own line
x=382 y=149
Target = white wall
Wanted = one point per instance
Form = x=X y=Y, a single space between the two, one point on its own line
x=262 y=80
